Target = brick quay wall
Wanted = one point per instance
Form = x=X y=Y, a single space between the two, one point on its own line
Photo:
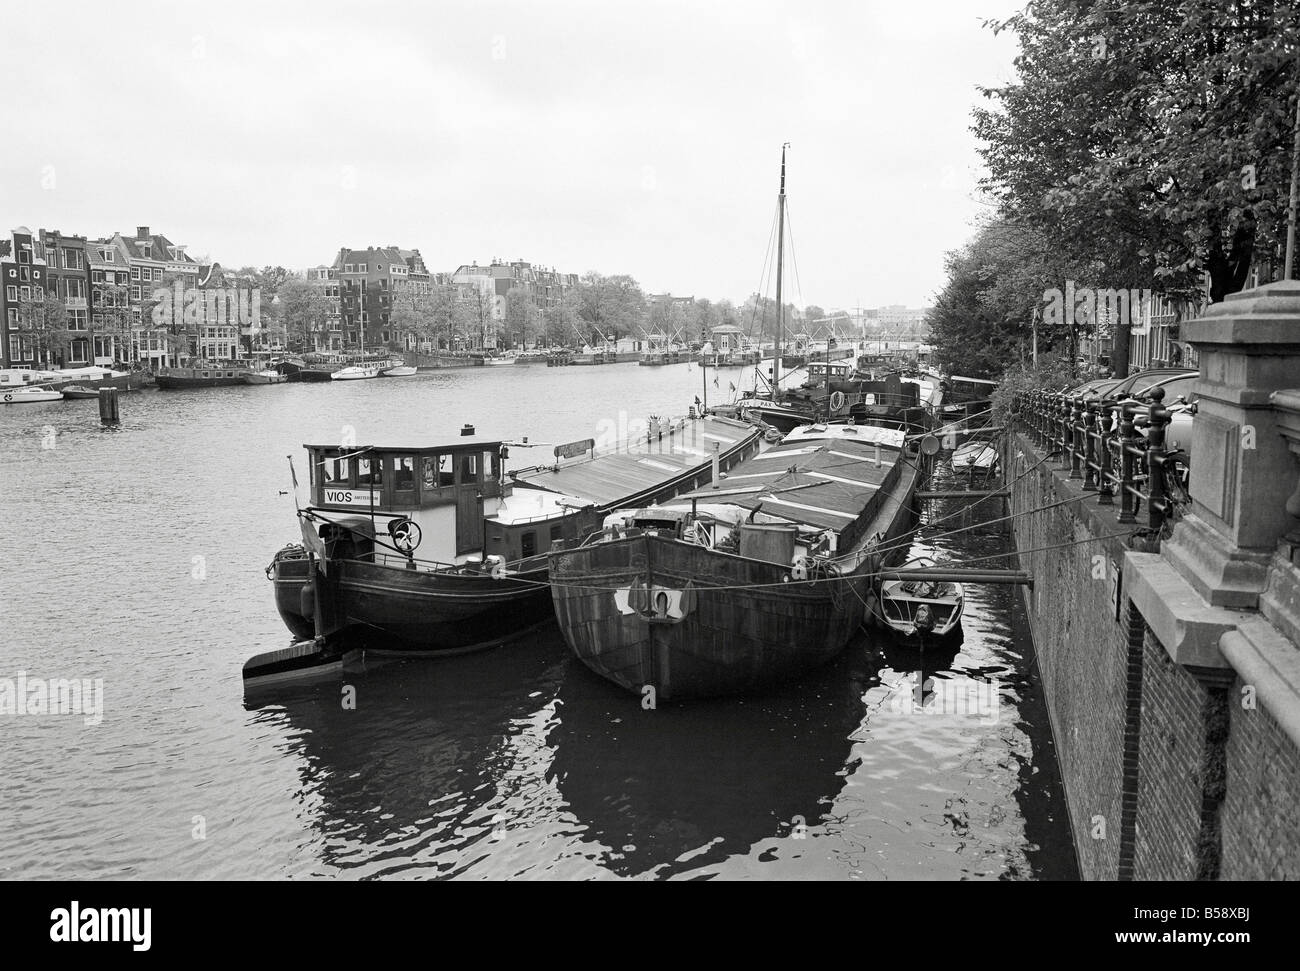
x=1173 y=769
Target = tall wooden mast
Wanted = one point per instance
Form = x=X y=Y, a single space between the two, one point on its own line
x=780 y=252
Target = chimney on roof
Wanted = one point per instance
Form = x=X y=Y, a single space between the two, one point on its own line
x=141 y=232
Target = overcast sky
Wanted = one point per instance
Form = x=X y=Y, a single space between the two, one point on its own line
x=640 y=138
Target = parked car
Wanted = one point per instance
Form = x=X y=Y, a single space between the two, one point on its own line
x=1095 y=387
x=1135 y=384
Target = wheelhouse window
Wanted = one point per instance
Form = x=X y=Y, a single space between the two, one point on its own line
x=338 y=472
x=404 y=477
x=528 y=543
x=370 y=472
x=467 y=469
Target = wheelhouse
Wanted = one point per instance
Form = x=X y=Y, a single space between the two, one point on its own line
x=445 y=489
x=455 y=493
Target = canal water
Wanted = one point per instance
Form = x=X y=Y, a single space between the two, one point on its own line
x=136 y=556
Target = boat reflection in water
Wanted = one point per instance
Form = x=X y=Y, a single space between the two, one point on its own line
x=686 y=786
x=519 y=762
x=437 y=769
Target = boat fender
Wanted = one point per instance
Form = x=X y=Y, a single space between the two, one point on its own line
x=307 y=601
x=498 y=568
x=799 y=571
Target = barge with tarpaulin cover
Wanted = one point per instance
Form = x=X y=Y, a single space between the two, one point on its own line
x=430 y=548
x=749 y=582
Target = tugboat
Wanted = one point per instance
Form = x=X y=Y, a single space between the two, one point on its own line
x=427 y=548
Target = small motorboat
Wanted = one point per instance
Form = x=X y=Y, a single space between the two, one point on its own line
x=356 y=372
x=265 y=377
x=919 y=606
x=29 y=395
x=73 y=391
x=398 y=371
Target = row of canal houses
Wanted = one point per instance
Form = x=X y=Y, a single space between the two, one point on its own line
x=70 y=300
x=106 y=312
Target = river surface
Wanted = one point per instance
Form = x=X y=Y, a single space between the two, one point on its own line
x=136 y=556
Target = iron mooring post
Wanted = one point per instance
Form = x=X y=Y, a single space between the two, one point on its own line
x=1128 y=439
x=1105 y=481
x=1089 y=420
x=1076 y=446
x=1158 y=419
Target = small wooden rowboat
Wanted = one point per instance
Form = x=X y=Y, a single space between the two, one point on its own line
x=920 y=606
x=975 y=456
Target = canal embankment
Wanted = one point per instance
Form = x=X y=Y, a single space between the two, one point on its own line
x=1171 y=668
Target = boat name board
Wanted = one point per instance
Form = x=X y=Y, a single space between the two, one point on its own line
x=574 y=449
x=350 y=497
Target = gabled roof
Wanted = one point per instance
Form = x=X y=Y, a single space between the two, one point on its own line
x=160 y=249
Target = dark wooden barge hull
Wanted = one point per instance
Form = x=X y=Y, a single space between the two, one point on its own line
x=412 y=611
x=744 y=625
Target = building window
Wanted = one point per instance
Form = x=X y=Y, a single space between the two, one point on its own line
x=13 y=318
x=135 y=273
x=78 y=350
x=135 y=293
x=96 y=276
x=11 y=293
x=15 y=349
x=108 y=256
x=24 y=256
x=25 y=293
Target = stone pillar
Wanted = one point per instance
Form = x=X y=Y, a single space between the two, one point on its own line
x=1242 y=473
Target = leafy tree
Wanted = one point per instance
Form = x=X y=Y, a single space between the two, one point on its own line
x=303 y=311
x=520 y=316
x=605 y=305
x=1148 y=140
x=43 y=320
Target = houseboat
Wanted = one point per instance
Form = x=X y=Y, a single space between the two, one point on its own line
x=748 y=582
x=204 y=376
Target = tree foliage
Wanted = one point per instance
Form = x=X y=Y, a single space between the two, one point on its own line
x=1149 y=139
